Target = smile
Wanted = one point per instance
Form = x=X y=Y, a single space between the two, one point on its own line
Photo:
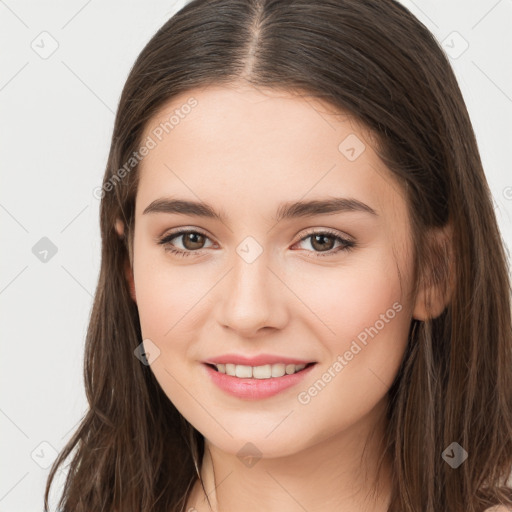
x=256 y=382
x=265 y=371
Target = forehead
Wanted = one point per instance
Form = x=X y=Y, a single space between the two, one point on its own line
x=255 y=147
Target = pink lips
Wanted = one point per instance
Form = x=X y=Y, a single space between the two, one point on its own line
x=256 y=389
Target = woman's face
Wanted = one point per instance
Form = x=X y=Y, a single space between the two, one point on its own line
x=265 y=275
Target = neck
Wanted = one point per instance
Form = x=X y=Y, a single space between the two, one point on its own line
x=335 y=473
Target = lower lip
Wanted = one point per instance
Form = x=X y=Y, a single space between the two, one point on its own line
x=255 y=389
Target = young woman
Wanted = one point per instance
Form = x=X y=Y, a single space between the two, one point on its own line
x=304 y=300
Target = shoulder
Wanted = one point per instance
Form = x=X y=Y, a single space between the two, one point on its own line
x=499 y=508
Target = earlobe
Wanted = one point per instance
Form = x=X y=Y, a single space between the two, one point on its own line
x=438 y=282
x=119 y=227
x=429 y=309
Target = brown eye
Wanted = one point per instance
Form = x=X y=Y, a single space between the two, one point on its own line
x=193 y=241
x=322 y=242
x=325 y=243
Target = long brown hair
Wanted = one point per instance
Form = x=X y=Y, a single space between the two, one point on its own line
x=374 y=60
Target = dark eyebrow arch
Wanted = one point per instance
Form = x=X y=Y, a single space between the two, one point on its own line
x=288 y=210
x=323 y=206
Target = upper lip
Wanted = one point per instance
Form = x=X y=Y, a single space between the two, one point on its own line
x=260 y=360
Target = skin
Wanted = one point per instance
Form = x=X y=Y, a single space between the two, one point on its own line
x=245 y=151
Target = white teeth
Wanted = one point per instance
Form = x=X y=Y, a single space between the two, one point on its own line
x=244 y=372
x=277 y=370
x=259 y=372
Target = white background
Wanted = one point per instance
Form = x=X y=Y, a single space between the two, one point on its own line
x=57 y=116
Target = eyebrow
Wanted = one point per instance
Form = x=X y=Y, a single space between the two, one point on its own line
x=289 y=210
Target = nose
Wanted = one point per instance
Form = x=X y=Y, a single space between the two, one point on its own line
x=253 y=299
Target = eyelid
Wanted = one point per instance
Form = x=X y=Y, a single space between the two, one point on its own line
x=327 y=231
x=182 y=229
x=167 y=236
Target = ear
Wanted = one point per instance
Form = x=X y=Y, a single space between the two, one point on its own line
x=128 y=271
x=437 y=283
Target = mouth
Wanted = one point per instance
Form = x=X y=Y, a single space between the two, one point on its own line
x=258 y=382
x=266 y=371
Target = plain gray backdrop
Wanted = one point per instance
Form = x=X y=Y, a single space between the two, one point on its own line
x=63 y=66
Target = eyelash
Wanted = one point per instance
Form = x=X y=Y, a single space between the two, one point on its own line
x=347 y=245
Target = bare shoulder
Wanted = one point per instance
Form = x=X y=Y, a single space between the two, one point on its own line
x=499 y=508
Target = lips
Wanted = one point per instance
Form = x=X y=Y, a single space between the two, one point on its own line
x=259 y=360
x=254 y=388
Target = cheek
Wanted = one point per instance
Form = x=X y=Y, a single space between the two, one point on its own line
x=166 y=295
x=348 y=299
x=359 y=363
x=166 y=298
x=362 y=322
x=172 y=302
